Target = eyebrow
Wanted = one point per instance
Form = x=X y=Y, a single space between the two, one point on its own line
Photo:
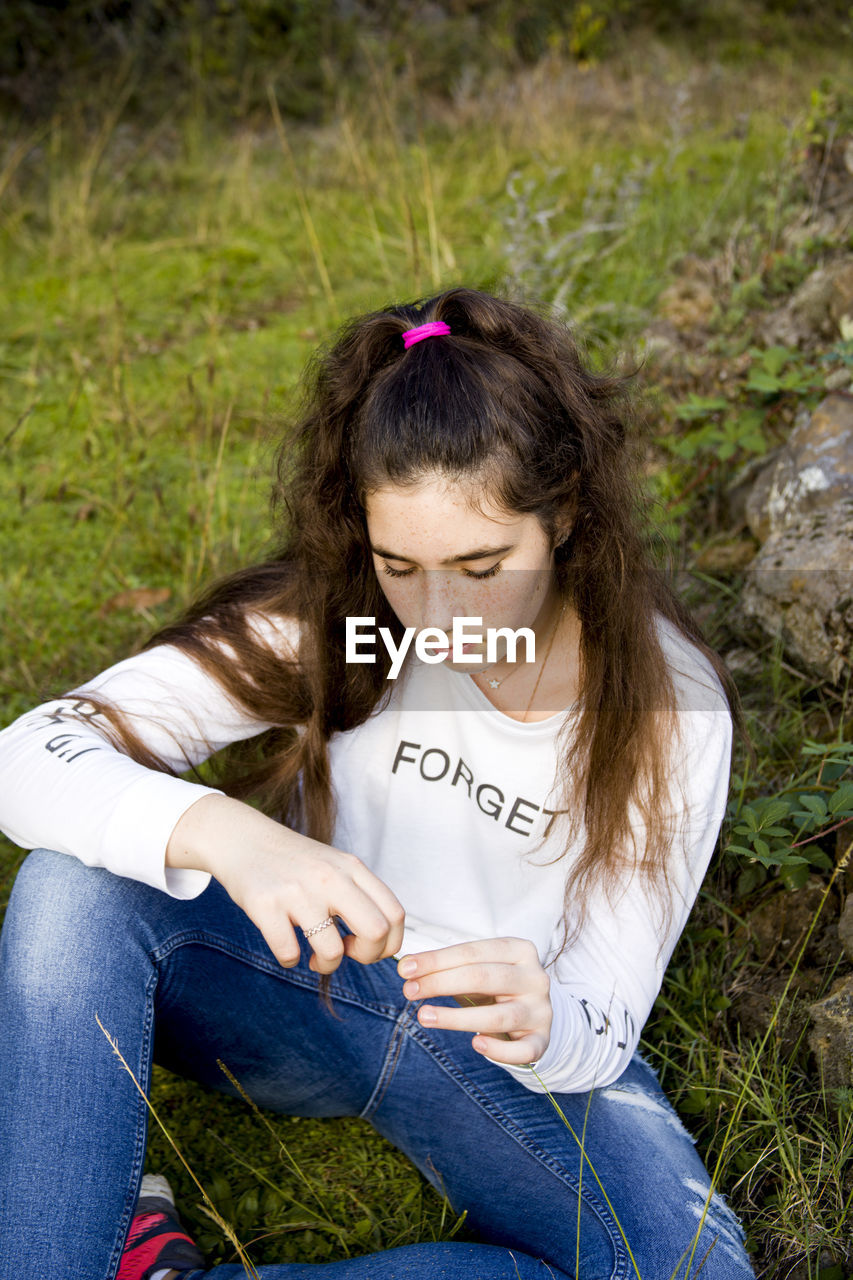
x=479 y=553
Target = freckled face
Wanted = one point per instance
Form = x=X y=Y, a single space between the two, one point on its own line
x=437 y=558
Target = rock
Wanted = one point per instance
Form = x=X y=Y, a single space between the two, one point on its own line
x=767 y=997
x=838 y=380
x=812 y=472
x=800 y=585
x=816 y=310
x=781 y=922
x=728 y=556
x=814 y=226
x=744 y=662
x=845 y=928
x=831 y=1036
x=742 y=484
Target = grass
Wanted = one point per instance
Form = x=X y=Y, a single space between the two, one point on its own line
x=757 y=1104
x=292 y=1188
x=163 y=286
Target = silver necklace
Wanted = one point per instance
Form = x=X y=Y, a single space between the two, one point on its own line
x=494 y=683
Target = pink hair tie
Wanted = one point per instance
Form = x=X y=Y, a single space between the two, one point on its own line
x=434 y=329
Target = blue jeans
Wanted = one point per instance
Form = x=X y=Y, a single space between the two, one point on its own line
x=79 y=942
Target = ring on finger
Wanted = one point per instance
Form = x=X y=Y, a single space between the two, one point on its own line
x=318 y=928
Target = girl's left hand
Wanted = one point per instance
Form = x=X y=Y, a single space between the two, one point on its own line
x=502 y=986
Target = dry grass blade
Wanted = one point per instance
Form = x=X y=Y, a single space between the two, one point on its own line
x=307 y=219
x=208 y=1207
x=294 y=1164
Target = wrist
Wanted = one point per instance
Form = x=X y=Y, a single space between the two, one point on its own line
x=196 y=842
x=217 y=833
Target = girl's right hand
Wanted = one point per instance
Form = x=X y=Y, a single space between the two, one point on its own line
x=284 y=880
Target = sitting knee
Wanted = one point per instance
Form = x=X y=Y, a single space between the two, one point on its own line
x=63 y=922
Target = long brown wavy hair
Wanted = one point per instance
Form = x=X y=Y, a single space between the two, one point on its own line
x=508 y=402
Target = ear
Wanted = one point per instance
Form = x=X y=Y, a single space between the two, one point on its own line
x=564 y=524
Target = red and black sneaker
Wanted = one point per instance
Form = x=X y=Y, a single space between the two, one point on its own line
x=156 y=1240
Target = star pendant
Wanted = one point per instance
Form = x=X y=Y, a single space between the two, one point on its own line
x=494 y=684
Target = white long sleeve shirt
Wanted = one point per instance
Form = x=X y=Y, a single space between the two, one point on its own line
x=443 y=796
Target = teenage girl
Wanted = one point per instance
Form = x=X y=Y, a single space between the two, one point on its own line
x=456 y=889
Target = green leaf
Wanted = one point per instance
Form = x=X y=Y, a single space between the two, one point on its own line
x=812 y=748
x=798 y=379
x=753 y=442
x=739 y=849
x=817 y=857
x=774 y=359
x=749 y=818
x=779 y=858
x=808 y=821
x=841 y=801
x=778 y=808
x=750 y=878
x=272 y=1200
x=765 y=383
x=795 y=877
x=247 y=1205
x=814 y=804
x=697 y=407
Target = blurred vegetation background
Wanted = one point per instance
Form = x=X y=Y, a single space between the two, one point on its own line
x=193 y=195
x=228 y=50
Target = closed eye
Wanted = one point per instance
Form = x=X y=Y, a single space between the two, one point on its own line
x=469 y=573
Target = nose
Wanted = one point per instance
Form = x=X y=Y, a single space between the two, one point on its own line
x=439 y=600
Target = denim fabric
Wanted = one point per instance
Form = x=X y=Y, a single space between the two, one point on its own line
x=80 y=942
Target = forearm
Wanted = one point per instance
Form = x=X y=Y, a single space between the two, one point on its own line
x=217 y=833
x=64 y=787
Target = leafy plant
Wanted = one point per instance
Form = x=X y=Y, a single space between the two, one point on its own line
x=721 y=433
x=782 y=832
x=776 y=370
x=830 y=113
x=736 y=428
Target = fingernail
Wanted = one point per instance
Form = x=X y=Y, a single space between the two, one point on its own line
x=407 y=967
x=412 y=989
x=427 y=1015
